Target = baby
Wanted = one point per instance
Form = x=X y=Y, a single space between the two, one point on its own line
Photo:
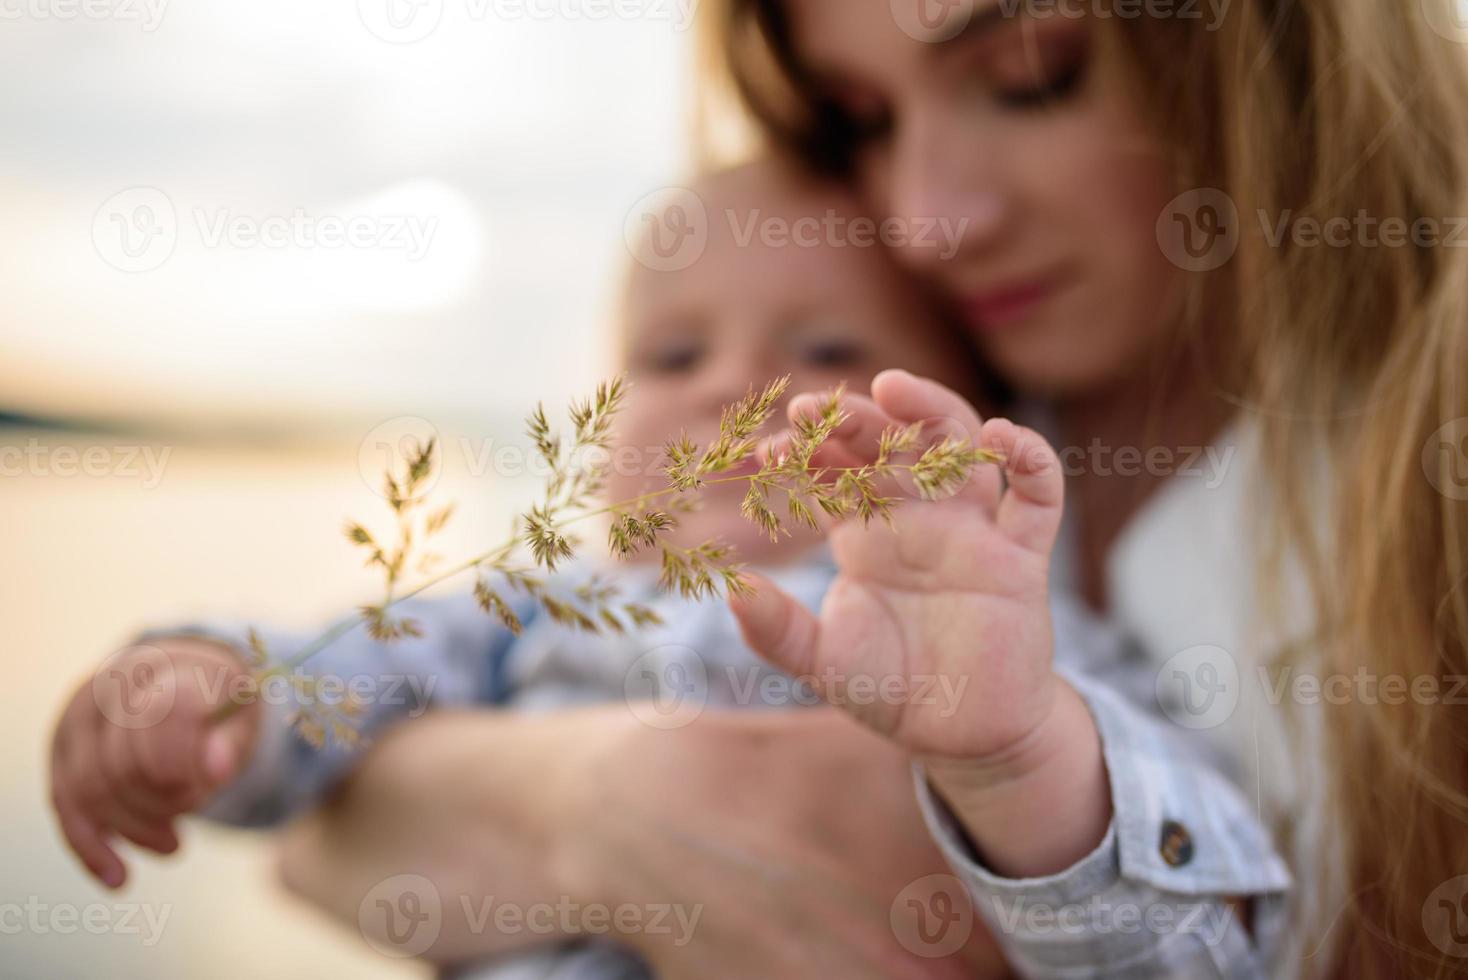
x=750 y=308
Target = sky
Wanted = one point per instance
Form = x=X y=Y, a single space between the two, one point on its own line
x=284 y=213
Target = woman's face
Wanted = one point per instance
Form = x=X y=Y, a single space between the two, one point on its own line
x=1023 y=132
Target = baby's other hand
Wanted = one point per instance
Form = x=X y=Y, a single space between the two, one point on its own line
x=135 y=748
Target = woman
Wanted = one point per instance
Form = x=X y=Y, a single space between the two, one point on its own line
x=1125 y=316
x=1065 y=141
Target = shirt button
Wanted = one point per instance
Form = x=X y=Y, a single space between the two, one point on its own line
x=1176 y=845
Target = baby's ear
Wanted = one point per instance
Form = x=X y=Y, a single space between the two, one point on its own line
x=1029 y=512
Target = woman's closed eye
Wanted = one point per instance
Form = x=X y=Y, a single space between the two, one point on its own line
x=1037 y=71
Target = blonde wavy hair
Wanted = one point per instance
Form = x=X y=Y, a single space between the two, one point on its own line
x=1323 y=108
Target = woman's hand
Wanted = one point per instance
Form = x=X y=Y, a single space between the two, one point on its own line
x=783 y=842
x=937 y=634
x=798 y=837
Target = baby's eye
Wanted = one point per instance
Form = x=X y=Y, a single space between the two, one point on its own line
x=832 y=352
x=673 y=357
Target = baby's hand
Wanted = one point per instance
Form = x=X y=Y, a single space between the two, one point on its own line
x=135 y=748
x=937 y=635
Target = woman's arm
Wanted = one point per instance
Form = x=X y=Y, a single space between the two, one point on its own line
x=752 y=844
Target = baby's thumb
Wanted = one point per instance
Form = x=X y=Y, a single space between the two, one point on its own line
x=227 y=746
x=777 y=627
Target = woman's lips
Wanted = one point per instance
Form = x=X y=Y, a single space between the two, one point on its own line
x=1009 y=304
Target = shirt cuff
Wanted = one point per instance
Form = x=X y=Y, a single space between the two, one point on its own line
x=1182 y=838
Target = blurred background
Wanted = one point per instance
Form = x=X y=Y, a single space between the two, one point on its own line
x=246 y=248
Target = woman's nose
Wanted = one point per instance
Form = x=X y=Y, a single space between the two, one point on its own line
x=948 y=194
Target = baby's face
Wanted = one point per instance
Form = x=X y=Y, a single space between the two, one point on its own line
x=746 y=313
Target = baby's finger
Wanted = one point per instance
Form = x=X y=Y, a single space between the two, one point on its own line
x=776 y=627
x=1033 y=503
x=908 y=398
x=169 y=760
x=155 y=835
x=854 y=442
x=87 y=842
x=125 y=804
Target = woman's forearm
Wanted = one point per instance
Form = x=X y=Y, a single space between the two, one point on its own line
x=459 y=811
x=773 y=844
